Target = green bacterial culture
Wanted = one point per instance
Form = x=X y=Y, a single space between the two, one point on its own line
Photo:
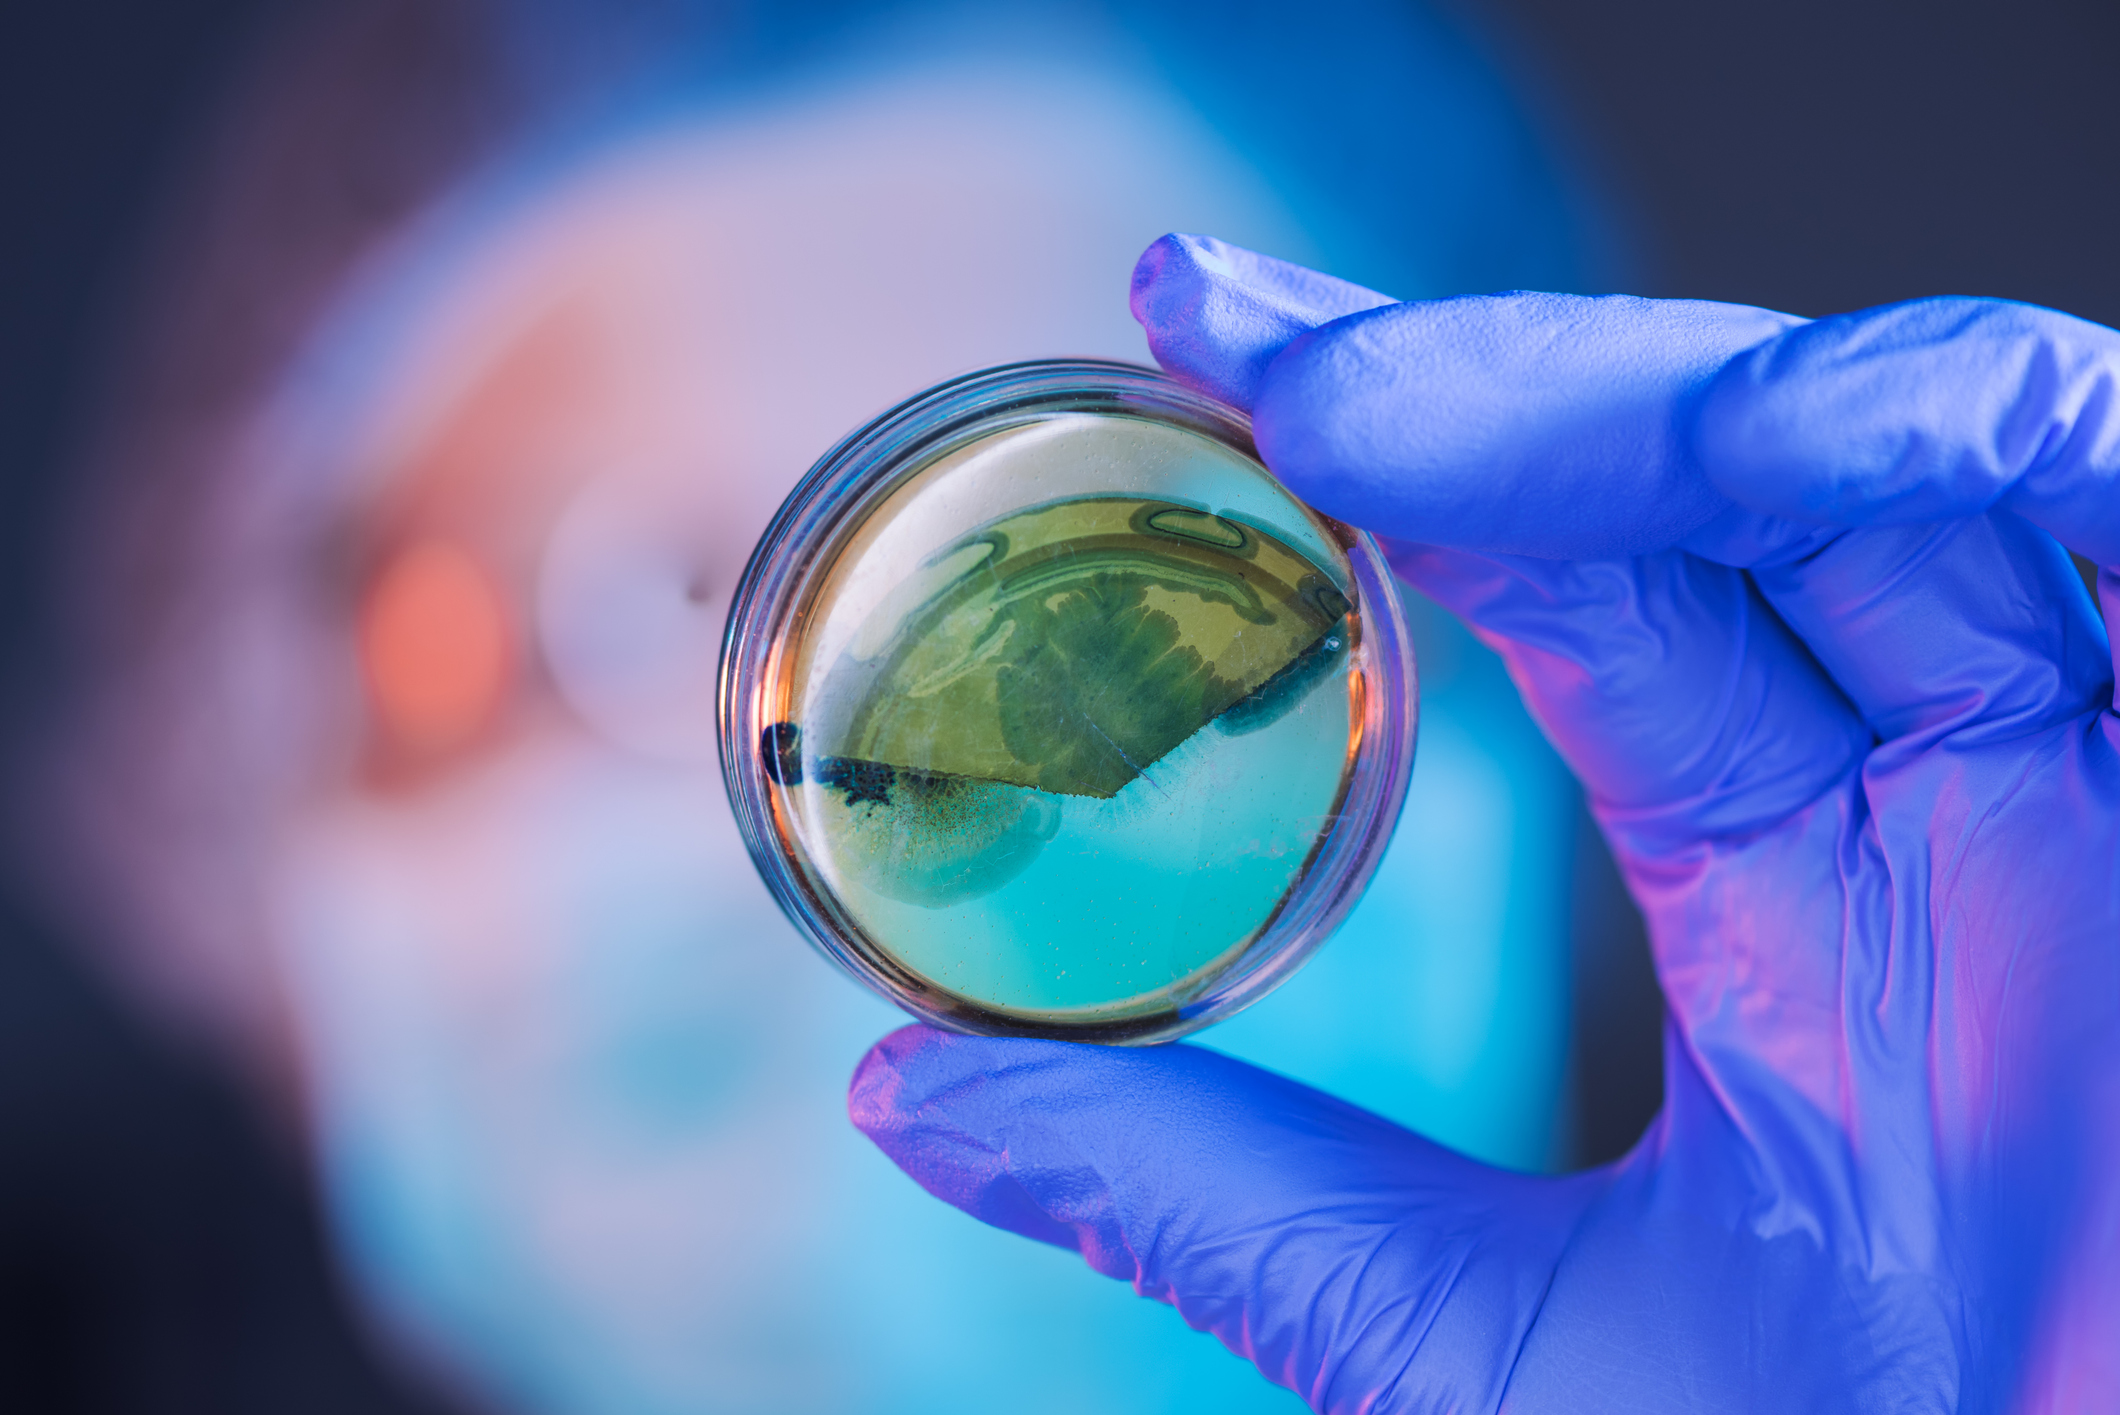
x=1072 y=758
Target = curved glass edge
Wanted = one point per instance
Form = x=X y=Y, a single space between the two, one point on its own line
x=867 y=466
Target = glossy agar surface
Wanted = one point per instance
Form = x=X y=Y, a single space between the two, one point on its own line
x=1069 y=716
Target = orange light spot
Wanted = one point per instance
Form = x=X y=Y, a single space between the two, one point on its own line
x=435 y=646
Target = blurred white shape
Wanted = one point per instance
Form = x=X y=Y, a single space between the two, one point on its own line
x=632 y=593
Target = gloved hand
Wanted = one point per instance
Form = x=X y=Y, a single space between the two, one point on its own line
x=1788 y=597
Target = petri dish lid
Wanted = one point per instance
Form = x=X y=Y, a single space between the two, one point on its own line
x=1046 y=710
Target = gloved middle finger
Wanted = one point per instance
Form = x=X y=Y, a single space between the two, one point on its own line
x=1685 y=705
x=1945 y=433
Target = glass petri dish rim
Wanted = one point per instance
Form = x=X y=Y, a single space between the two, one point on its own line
x=806 y=535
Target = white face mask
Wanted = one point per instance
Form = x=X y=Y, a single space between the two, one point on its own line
x=579 y=1089
x=579 y=1085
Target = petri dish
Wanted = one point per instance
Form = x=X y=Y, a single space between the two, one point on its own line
x=1046 y=710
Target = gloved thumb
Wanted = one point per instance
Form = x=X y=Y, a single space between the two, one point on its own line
x=1347 y=1258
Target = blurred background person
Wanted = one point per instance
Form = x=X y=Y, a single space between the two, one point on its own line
x=394 y=762
x=370 y=737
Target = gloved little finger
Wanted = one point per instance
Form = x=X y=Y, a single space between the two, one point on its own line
x=1349 y=1259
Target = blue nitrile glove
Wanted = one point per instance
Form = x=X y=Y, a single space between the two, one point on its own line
x=1799 y=619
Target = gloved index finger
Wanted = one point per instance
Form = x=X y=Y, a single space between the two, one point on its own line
x=1531 y=424
x=1658 y=679
x=1216 y=315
